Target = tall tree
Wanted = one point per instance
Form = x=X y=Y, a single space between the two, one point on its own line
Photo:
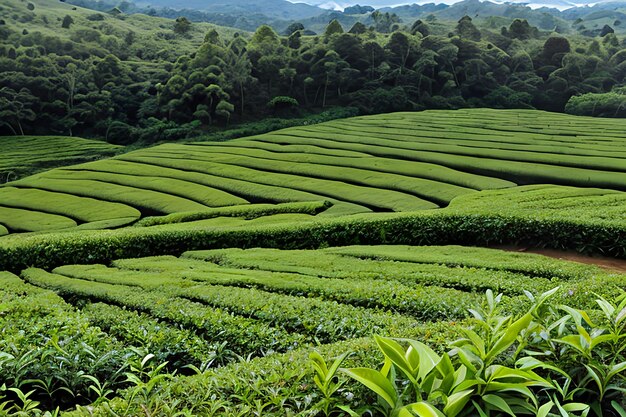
x=16 y=107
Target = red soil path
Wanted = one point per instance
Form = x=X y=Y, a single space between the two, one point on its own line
x=612 y=264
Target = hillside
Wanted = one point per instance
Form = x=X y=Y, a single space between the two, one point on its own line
x=390 y=163
x=24 y=155
x=307 y=239
x=101 y=33
x=416 y=211
x=278 y=9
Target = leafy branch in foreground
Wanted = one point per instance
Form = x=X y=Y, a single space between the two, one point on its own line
x=554 y=360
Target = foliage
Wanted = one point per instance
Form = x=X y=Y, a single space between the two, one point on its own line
x=157 y=80
x=476 y=376
x=611 y=104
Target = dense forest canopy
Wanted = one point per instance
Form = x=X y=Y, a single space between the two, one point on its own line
x=81 y=71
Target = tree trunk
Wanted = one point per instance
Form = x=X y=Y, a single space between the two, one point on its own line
x=325 y=89
x=241 y=90
x=10 y=127
x=20 y=126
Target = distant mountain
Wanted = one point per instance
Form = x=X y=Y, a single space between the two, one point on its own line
x=277 y=9
x=534 y=4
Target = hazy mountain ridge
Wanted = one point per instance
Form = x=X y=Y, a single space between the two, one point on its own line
x=557 y=4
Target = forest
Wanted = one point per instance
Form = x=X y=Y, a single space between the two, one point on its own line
x=84 y=73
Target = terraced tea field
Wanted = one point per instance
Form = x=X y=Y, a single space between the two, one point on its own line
x=398 y=162
x=232 y=303
x=23 y=155
x=197 y=278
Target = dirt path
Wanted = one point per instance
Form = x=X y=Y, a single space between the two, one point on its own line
x=612 y=264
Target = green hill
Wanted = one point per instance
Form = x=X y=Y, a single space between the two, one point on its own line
x=99 y=33
x=389 y=163
x=22 y=155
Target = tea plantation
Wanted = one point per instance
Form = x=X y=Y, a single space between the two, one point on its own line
x=398 y=162
x=23 y=155
x=199 y=278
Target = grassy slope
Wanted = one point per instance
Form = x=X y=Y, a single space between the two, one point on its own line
x=145 y=27
x=25 y=155
x=394 y=162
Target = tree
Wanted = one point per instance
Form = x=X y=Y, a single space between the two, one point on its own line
x=350 y=49
x=384 y=21
x=224 y=110
x=520 y=29
x=421 y=28
x=329 y=69
x=358 y=29
x=466 y=29
x=16 y=107
x=401 y=52
x=295 y=40
x=67 y=21
x=239 y=69
x=182 y=26
x=554 y=48
x=333 y=28
x=606 y=30
x=267 y=56
x=292 y=28
x=264 y=35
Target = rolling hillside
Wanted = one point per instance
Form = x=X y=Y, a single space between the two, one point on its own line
x=23 y=155
x=389 y=163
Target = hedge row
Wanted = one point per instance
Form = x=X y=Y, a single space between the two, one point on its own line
x=32 y=221
x=179 y=347
x=79 y=208
x=379 y=198
x=332 y=321
x=369 y=172
x=528 y=264
x=517 y=171
x=141 y=199
x=336 y=157
x=249 y=211
x=492 y=143
x=248 y=188
x=426 y=228
x=199 y=193
x=46 y=346
x=484 y=138
x=244 y=336
x=349 y=271
x=238 y=388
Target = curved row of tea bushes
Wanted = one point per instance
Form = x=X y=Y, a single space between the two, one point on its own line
x=324 y=156
x=380 y=199
x=333 y=321
x=529 y=264
x=254 y=187
x=20 y=155
x=82 y=209
x=485 y=223
x=345 y=272
x=390 y=162
x=245 y=336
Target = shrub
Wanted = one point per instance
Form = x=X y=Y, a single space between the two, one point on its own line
x=282 y=102
x=524 y=365
x=611 y=104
